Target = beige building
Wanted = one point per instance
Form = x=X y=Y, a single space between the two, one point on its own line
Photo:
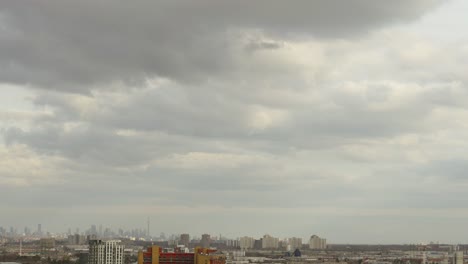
x=317 y=242
x=295 y=242
x=270 y=242
x=457 y=257
x=246 y=242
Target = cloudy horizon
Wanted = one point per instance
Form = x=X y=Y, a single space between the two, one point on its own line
x=290 y=118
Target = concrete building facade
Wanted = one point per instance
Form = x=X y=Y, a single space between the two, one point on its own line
x=269 y=241
x=105 y=252
x=184 y=240
x=457 y=257
x=205 y=241
x=317 y=242
x=246 y=242
x=295 y=242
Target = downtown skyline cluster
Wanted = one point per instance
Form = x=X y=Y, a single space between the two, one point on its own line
x=104 y=232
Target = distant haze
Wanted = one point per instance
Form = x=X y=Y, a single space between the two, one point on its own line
x=345 y=119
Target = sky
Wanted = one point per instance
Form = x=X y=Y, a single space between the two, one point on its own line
x=345 y=119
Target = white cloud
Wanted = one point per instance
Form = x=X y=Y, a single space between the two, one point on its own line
x=20 y=166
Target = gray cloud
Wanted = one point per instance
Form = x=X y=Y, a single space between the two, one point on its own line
x=320 y=109
x=68 y=44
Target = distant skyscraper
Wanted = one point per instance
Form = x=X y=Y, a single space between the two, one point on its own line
x=27 y=231
x=184 y=239
x=316 y=242
x=39 y=229
x=105 y=252
x=205 y=241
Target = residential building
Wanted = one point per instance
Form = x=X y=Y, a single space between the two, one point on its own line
x=269 y=242
x=316 y=242
x=106 y=252
x=295 y=242
x=184 y=240
x=457 y=257
x=246 y=242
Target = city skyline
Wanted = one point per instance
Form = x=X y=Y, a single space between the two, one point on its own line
x=100 y=231
x=345 y=119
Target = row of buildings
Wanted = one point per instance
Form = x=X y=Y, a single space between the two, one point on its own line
x=112 y=252
x=269 y=242
x=265 y=242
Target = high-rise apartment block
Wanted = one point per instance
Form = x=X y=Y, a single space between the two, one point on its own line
x=246 y=242
x=184 y=240
x=295 y=242
x=234 y=243
x=316 y=242
x=270 y=242
x=106 y=252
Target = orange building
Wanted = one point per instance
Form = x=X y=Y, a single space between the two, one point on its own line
x=154 y=255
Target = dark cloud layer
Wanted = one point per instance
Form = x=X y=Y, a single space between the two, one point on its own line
x=69 y=45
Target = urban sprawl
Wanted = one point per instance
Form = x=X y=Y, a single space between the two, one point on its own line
x=98 y=245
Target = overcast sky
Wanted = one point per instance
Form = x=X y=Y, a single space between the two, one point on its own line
x=346 y=119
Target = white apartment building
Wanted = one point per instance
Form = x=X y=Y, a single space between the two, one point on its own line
x=316 y=242
x=105 y=252
x=246 y=242
x=270 y=242
x=295 y=242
